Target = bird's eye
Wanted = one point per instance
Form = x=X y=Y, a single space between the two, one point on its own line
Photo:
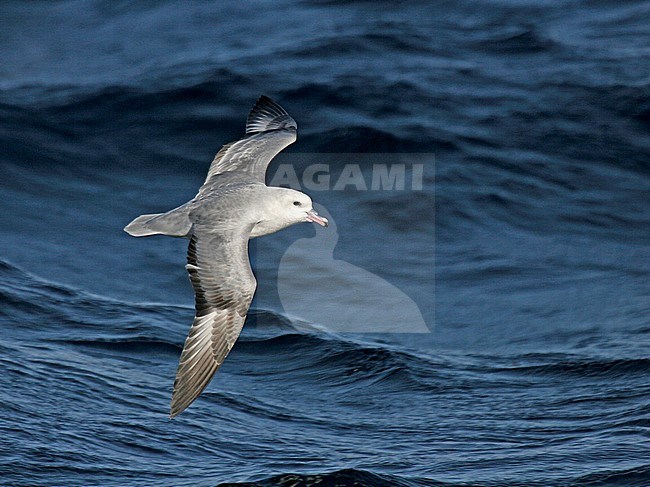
x=296 y=203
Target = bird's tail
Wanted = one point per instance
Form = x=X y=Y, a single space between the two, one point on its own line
x=174 y=223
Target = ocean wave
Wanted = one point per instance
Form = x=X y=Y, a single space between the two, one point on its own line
x=368 y=139
x=629 y=101
x=583 y=368
x=385 y=36
x=370 y=100
x=525 y=39
x=350 y=477
x=71 y=317
x=345 y=364
x=136 y=345
x=627 y=476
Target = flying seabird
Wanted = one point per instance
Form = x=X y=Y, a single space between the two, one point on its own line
x=233 y=205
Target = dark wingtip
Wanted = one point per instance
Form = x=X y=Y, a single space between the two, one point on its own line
x=265 y=99
x=268 y=115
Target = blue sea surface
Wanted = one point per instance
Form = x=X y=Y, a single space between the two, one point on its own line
x=526 y=250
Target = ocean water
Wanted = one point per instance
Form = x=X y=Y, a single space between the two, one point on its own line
x=525 y=253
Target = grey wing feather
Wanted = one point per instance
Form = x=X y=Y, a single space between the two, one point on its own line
x=269 y=129
x=224 y=286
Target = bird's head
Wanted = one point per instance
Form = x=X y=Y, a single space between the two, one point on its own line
x=298 y=208
x=290 y=207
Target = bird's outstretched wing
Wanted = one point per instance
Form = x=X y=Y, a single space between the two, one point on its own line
x=224 y=286
x=269 y=129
